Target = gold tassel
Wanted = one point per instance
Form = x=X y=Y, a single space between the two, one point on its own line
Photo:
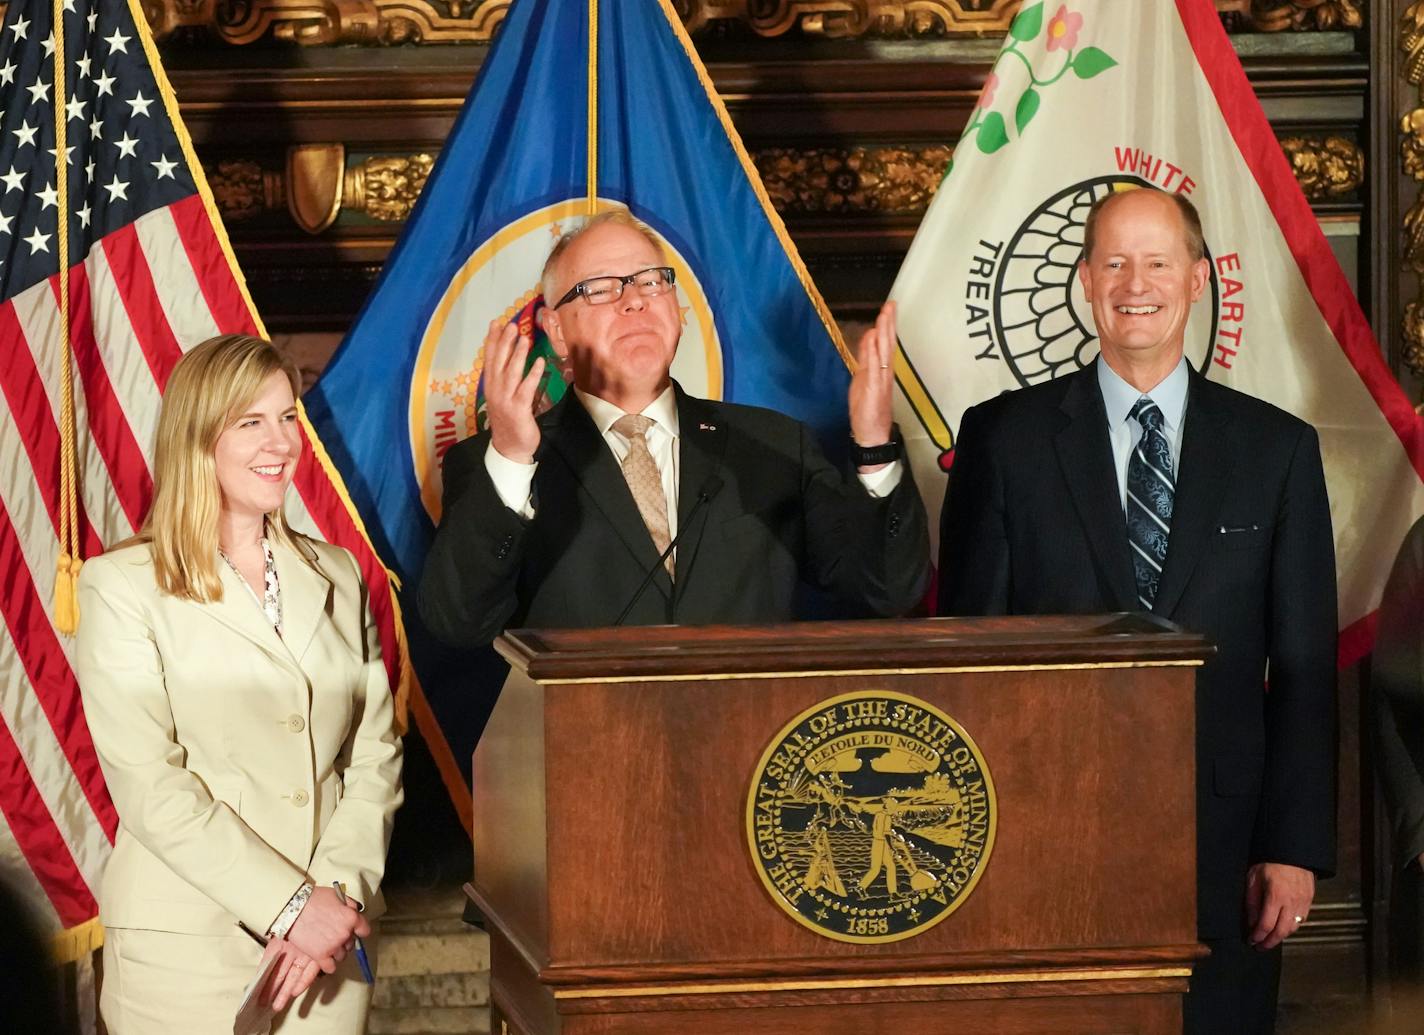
x=74 y=943
x=66 y=594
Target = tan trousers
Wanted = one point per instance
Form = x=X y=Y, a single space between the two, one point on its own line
x=157 y=983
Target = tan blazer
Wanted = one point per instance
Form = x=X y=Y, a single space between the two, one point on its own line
x=241 y=763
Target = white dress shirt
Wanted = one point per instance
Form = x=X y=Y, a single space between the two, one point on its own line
x=514 y=481
x=1124 y=433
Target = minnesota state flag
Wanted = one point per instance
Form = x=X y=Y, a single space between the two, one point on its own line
x=580 y=106
x=1088 y=97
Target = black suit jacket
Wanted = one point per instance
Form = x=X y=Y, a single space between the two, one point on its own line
x=1033 y=524
x=773 y=512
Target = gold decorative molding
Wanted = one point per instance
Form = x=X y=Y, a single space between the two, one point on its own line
x=385 y=187
x=889 y=180
x=315 y=189
x=315 y=184
x=1326 y=168
x=1411 y=149
x=842 y=19
x=329 y=22
x=1304 y=15
x=856 y=179
x=244 y=189
x=388 y=22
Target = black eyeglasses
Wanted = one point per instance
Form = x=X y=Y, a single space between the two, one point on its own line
x=655 y=280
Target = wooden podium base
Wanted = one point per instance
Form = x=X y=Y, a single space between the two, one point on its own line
x=1112 y=1000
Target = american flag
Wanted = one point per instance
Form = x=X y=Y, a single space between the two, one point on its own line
x=151 y=274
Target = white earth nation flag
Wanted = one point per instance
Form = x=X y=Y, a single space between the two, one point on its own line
x=1093 y=96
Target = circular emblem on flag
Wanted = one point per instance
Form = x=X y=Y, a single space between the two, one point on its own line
x=500 y=280
x=1041 y=315
x=871 y=817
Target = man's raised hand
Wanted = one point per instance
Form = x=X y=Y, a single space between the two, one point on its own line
x=873 y=383
x=509 y=392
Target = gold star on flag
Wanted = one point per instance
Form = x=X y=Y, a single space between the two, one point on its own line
x=463 y=391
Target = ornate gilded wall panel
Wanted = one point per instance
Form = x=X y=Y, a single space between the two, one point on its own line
x=381 y=22
x=1411 y=41
x=855 y=181
x=1327 y=168
x=385 y=187
x=1304 y=15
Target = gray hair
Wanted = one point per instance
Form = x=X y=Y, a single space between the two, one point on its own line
x=616 y=217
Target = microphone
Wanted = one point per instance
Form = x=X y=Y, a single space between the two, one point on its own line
x=710 y=488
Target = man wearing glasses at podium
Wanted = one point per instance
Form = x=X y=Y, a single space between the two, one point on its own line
x=630 y=502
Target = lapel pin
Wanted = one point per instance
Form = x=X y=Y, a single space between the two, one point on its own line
x=706 y=427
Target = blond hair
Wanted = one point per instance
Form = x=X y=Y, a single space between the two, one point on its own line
x=210 y=385
x=615 y=217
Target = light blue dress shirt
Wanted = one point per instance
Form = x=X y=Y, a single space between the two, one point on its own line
x=1124 y=433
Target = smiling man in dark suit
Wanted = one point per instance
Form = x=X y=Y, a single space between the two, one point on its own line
x=1137 y=484
x=560 y=520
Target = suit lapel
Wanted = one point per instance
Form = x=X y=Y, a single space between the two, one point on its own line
x=702 y=439
x=305 y=592
x=1085 y=455
x=574 y=438
x=1203 y=473
x=240 y=613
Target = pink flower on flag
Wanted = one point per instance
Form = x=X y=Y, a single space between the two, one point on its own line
x=1063 y=29
x=986 y=95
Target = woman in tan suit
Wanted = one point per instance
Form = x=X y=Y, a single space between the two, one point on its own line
x=233 y=682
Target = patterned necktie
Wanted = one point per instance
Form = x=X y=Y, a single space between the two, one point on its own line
x=644 y=481
x=1150 y=488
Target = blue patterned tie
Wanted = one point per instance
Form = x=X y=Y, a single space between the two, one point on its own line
x=1150 y=487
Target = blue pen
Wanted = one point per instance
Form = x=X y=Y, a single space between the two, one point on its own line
x=360 y=945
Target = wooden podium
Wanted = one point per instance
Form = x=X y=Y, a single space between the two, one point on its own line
x=643 y=845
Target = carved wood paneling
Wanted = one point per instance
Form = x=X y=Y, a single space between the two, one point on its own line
x=386 y=22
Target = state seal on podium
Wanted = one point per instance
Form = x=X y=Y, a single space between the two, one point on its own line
x=871 y=817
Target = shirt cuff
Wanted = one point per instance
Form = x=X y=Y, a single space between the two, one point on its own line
x=513 y=481
x=881 y=483
x=293 y=909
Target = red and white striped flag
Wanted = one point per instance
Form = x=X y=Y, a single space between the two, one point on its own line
x=1089 y=97
x=150 y=275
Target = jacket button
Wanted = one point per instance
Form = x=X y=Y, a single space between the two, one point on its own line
x=296 y=723
x=300 y=799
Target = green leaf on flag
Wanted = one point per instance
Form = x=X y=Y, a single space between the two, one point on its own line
x=993 y=134
x=1090 y=61
x=1028 y=23
x=1027 y=108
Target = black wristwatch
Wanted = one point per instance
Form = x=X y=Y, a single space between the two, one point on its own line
x=870 y=456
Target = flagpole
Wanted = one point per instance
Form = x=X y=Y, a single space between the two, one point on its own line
x=66 y=604
x=592 y=173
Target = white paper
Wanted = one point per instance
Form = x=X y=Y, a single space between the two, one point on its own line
x=252 y=1017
